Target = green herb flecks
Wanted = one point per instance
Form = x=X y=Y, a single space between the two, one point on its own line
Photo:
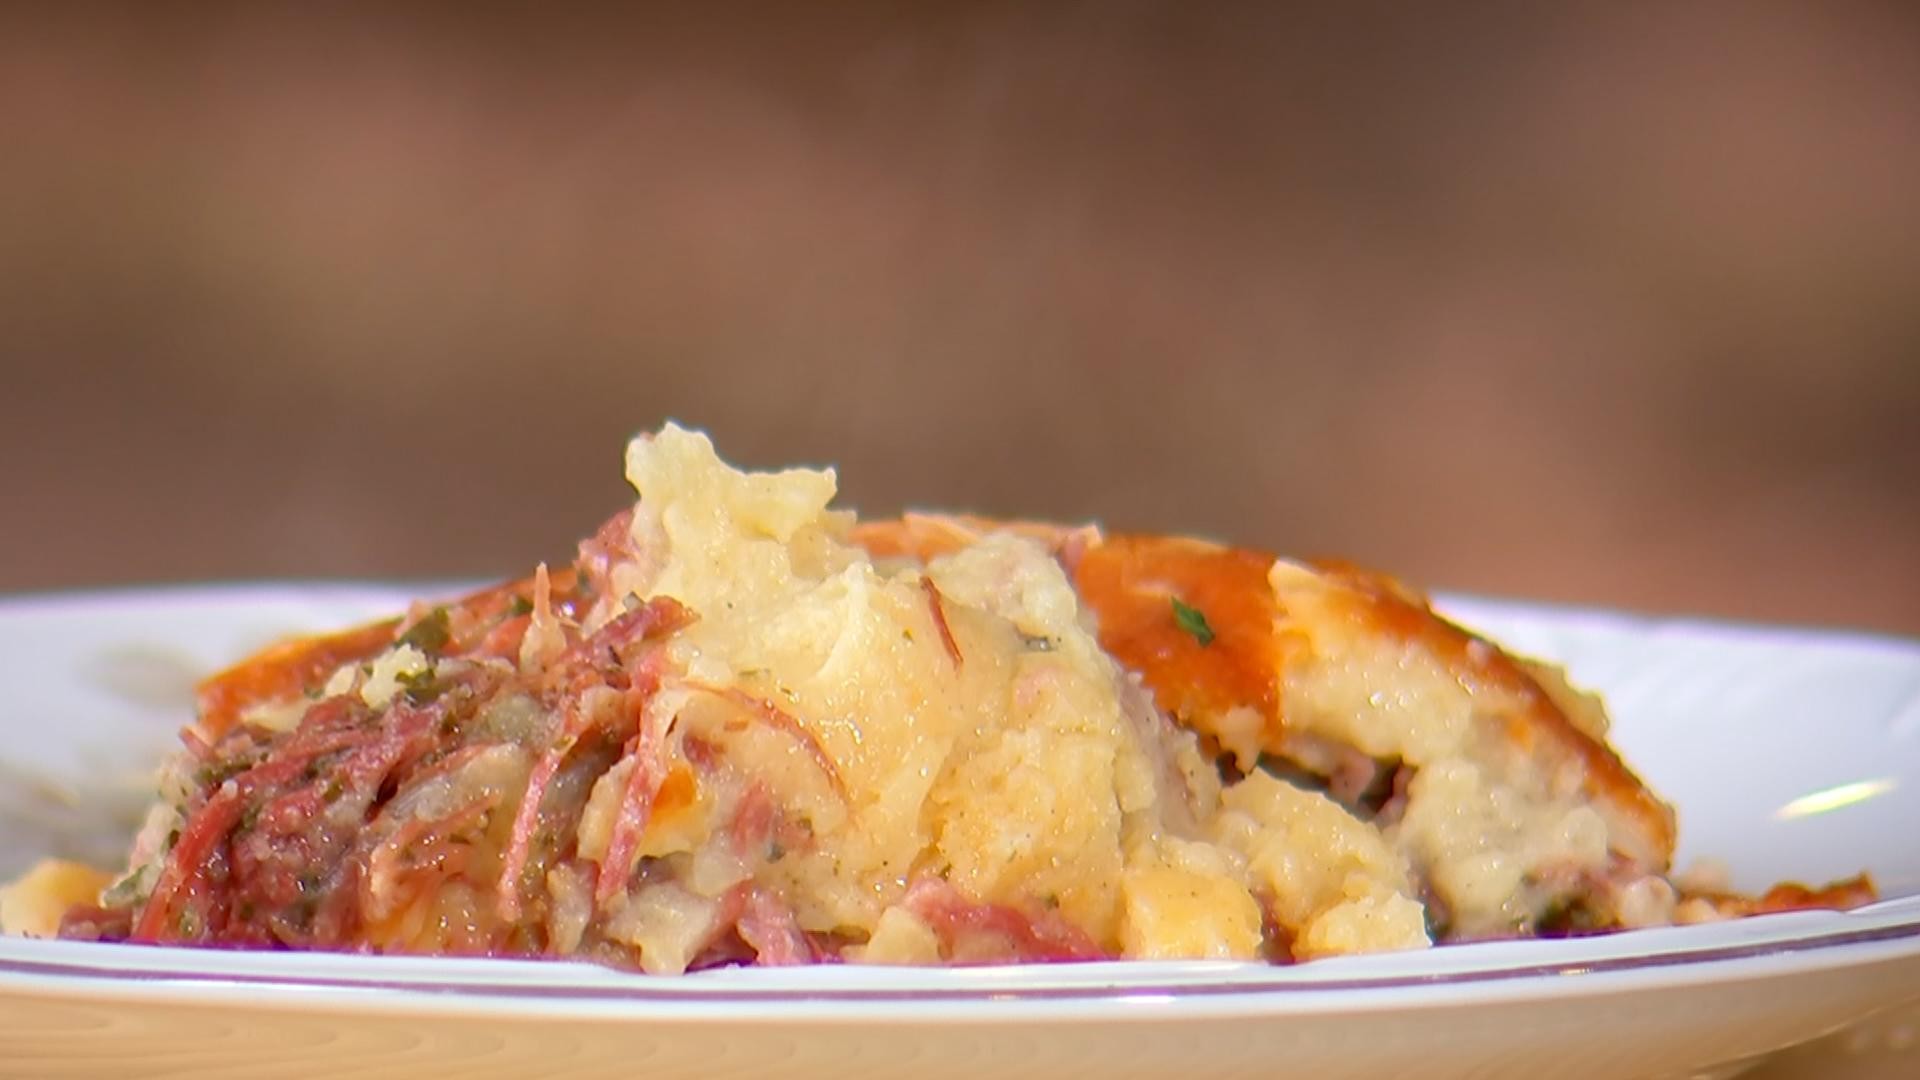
x=214 y=774
x=131 y=889
x=420 y=687
x=1193 y=622
x=429 y=635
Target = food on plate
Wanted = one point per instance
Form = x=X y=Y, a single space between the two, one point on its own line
x=744 y=727
x=36 y=903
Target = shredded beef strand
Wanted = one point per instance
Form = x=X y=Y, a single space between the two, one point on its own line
x=937 y=605
x=647 y=750
x=752 y=823
x=503 y=640
x=650 y=620
x=299 y=860
x=206 y=829
x=526 y=819
x=783 y=721
x=417 y=855
x=768 y=925
x=326 y=729
x=952 y=916
x=599 y=658
x=609 y=546
x=86 y=922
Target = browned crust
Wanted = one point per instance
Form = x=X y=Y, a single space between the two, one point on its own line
x=282 y=671
x=290 y=668
x=1129 y=581
x=1539 y=727
x=1791 y=896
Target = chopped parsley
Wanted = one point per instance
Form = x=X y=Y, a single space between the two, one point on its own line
x=521 y=606
x=420 y=686
x=1193 y=622
x=132 y=888
x=430 y=634
x=214 y=774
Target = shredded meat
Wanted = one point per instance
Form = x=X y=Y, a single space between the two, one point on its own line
x=937 y=604
x=967 y=927
x=769 y=928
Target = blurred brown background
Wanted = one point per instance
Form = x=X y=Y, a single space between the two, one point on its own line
x=1612 y=304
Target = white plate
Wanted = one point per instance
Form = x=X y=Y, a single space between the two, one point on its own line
x=1750 y=731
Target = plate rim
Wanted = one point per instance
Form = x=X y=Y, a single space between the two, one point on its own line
x=1889 y=931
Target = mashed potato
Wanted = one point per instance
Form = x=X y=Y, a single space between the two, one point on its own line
x=978 y=731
